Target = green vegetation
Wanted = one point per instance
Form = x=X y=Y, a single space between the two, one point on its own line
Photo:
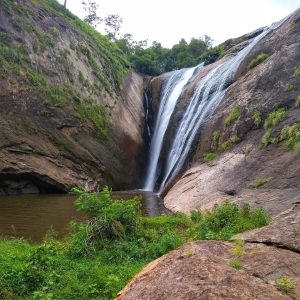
x=291 y=135
x=236 y=264
x=35 y=79
x=215 y=139
x=285 y=284
x=97 y=114
x=275 y=117
x=209 y=157
x=226 y=146
x=232 y=116
x=290 y=87
x=54 y=31
x=259 y=183
x=101 y=255
x=298 y=101
x=297 y=70
x=213 y=54
x=257 y=60
x=256 y=117
x=237 y=251
x=46 y=113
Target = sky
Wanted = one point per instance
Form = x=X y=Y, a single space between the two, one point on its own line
x=168 y=21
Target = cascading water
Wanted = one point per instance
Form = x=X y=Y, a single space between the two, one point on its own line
x=171 y=92
x=206 y=97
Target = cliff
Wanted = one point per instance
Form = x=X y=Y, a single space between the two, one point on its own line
x=71 y=112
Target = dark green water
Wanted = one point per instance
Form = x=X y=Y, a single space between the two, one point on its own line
x=32 y=216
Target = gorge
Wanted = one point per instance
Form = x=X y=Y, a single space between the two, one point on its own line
x=74 y=113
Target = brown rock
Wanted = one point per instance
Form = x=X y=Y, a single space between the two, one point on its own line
x=199 y=270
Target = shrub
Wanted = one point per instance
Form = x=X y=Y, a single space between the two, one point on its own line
x=237 y=251
x=285 y=284
x=291 y=135
x=297 y=70
x=209 y=157
x=213 y=54
x=35 y=79
x=298 y=101
x=215 y=139
x=257 y=60
x=226 y=146
x=256 y=117
x=290 y=87
x=259 y=183
x=275 y=117
x=6 y=38
x=233 y=116
x=54 y=31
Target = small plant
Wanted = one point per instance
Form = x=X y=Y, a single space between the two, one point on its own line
x=54 y=31
x=215 y=139
x=248 y=149
x=275 y=117
x=285 y=284
x=265 y=140
x=238 y=265
x=297 y=70
x=46 y=113
x=188 y=252
x=291 y=135
x=259 y=183
x=256 y=117
x=209 y=157
x=257 y=60
x=226 y=146
x=237 y=251
x=233 y=116
x=292 y=25
x=35 y=79
x=290 y=87
x=298 y=102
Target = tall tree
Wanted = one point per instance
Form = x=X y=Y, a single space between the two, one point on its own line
x=91 y=18
x=65 y=4
x=113 y=24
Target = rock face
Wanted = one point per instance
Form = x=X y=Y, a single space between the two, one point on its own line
x=206 y=269
x=261 y=171
x=69 y=114
x=271 y=85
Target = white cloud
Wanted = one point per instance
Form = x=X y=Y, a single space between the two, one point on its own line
x=168 y=21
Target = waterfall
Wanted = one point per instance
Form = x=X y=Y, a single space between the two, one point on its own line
x=208 y=93
x=171 y=92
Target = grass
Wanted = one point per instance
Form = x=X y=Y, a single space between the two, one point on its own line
x=297 y=70
x=259 y=183
x=257 y=118
x=284 y=284
x=215 y=139
x=232 y=116
x=209 y=157
x=275 y=117
x=291 y=135
x=236 y=264
x=297 y=103
x=257 y=60
x=102 y=255
x=97 y=114
x=290 y=87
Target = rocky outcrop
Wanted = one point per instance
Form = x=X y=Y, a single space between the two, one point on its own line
x=69 y=116
x=216 y=270
x=271 y=85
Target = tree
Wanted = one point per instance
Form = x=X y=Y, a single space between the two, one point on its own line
x=113 y=24
x=65 y=4
x=91 y=8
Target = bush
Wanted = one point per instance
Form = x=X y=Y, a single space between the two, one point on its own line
x=285 y=284
x=209 y=157
x=257 y=60
x=36 y=79
x=215 y=139
x=233 y=116
x=226 y=146
x=259 y=183
x=291 y=135
x=256 y=117
x=275 y=117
